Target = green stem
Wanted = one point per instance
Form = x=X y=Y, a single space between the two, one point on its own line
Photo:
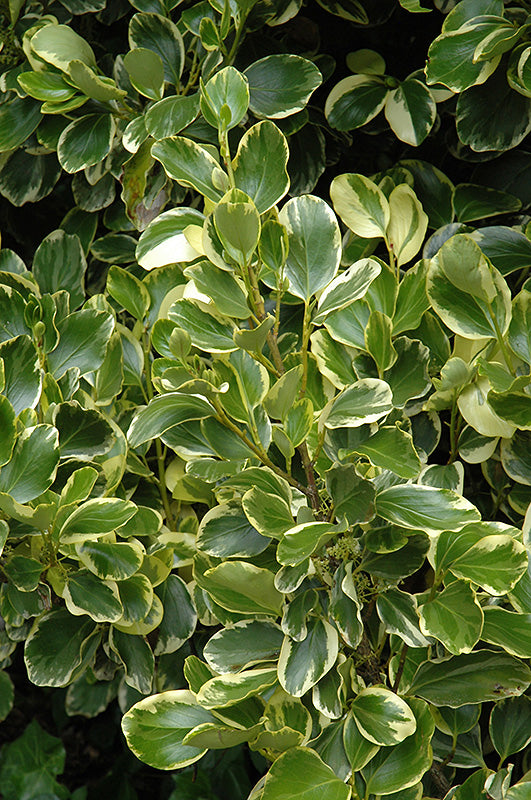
x=237 y=37
x=257 y=302
x=304 y=348
x=499 y=337
x=225 y=154
x=257 y=450
x=392 y=261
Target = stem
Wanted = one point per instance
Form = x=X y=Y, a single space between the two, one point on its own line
x=499 y=336
x=257 y=302
x=392 y=261
x=313 y=491
x=161 y=469
x=225 y=154
x=258 y=451
x=400 y=670
x=455 y=429
x=237 y=36
x=304 y=348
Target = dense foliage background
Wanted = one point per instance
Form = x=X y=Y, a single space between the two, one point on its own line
x=265 y=358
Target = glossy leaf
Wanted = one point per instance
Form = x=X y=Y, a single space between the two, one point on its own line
x=475 y=677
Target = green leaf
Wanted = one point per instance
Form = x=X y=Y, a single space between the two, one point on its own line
x=519 y=333
x=281 y=85
x=302 y=540
x=189 y=164
x=12 y=308
x=59 y=263
x=365 y=401
x=30 y=763
x=410 y=110
x=7 y=694
x=85 y=142
x=83 y=432
x=260 y=165
x=515 y=457
x=110 y=560
x=225 y=99
x=136 y=596
x=476 y=677
x=299 y=772
x=33 y=464
x=56 y=646
x=242 y=645
x=407 y=225
x=128 y=291
x=434 y=190
x=355 y=100
x=83 y=338
x=59 y=45
x=495 y=562
x=225 y=531
x=85 y=593
x=299 y=421
x=402 y=766
x=361 y=205
x=383 y=717
x=425 y=507
x=135 y=654
x=180 y=615
x=237 y=223
x=510 y=725
x=268 y=513
x=334 y=360
x=314 y=245
x=170 y=115
x=391 y=448
x=95 y=518
x=358 y=749
x=302 y=664
x=146 y=72
x=242 y=587
x=46 y=86
x=353 y=496
x=350 y=285
x=22 y=377
x=164 y=241
x=155 y=728
x=163 y=413
x=204 y=329
x=507 y=630
x=512 y=407
x=225 y=291
x=378 y=340
x=493 y=116
x=99 y=88
x=451 y=55
x=507 y=249
x=468 y=300
x=345 y=607
x=8 y=430
x=18 y=120
x=254 y=340
x=232 y=688
x=473 y=202
x=399 y=614
x=159 y=34
x=454 y=617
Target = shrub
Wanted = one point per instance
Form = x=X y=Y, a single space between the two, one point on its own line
x=264 y=457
